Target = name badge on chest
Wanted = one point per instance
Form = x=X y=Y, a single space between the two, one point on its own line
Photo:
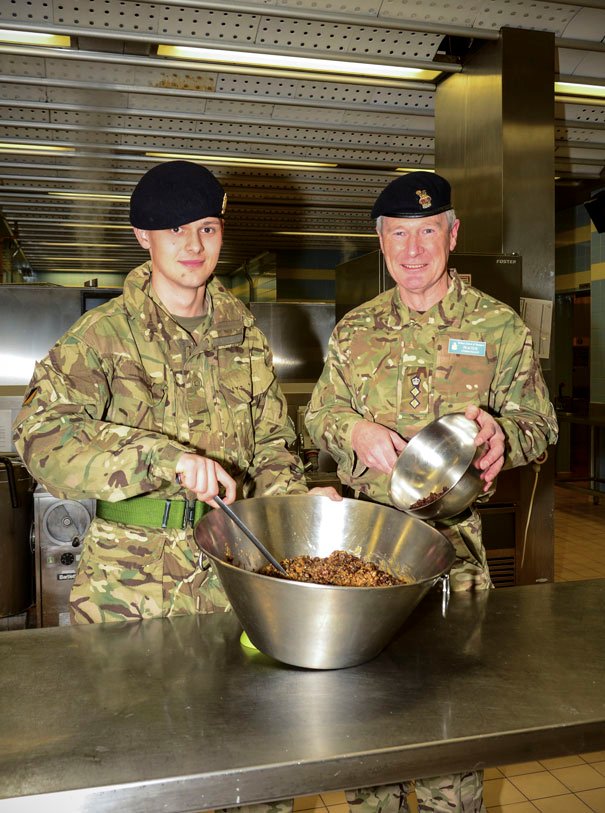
x=466 y=347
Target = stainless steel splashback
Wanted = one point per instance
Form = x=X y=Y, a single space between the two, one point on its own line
x=298 y=334
x=31 y=321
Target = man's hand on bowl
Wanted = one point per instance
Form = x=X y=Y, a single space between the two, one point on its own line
x=326 y=491
x=490 y=433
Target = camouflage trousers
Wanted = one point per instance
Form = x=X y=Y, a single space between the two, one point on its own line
x=127 y=573
x=470 y=571
x=456 y=793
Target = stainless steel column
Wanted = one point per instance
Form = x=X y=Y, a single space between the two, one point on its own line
x=495 y=143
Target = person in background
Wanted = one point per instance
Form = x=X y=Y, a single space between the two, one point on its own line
x=429 y=346
x=153 y=402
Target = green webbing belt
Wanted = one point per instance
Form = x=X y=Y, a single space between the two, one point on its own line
x=148 y=512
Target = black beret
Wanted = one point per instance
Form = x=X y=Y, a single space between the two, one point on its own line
x=415 y=194
x=176 y=193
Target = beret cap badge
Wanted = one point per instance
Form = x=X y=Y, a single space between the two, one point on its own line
x=424 y=198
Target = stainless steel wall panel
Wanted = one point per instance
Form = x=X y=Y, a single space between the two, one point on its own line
x=54 y=311
x=298 y=335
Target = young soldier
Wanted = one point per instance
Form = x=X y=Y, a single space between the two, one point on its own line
x=151 y=402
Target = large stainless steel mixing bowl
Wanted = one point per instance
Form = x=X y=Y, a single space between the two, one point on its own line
x=440 y=458
x=312 y=625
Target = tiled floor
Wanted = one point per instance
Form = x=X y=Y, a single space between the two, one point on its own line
x=574 y=784
x=579 y=536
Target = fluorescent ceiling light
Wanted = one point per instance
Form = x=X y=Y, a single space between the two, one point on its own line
x=325 y=234
x=413 y=169
x=80 y=258
x=236 y=160
x=5 y=146
x=86 y=196
x=88 y=271
x=263 y=60
x=576 y=89
x=74 y=225
x=82 y=245
x=34 y=38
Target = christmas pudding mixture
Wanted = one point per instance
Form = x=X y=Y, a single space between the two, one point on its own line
x=424 y=501
x=340 y=568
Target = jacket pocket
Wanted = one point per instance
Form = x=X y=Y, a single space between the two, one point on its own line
x=136 y=400
x=120 y=575
x=464 y=370
x=124 y=546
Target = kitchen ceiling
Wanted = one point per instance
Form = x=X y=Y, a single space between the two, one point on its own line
x=109 y=99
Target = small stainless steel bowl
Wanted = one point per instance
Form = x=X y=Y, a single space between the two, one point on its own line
x=438 y=459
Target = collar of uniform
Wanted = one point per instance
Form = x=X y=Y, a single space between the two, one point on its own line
x=226 y=309
x=138 y=302
x=449 y=307
x=459 y=300
x=228 y=315
x=445 y=311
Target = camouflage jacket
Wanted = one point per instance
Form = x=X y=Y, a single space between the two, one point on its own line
x=126 y=391
x=403 y=369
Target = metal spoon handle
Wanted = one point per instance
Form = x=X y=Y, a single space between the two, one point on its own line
x=250 y=535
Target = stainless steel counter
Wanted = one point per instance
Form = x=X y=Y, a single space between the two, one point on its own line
x=174 y=715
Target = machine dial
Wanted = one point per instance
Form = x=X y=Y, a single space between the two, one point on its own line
x=66 y=521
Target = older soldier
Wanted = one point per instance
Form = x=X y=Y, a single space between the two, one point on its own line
x=160 y=396
x=429 y=346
